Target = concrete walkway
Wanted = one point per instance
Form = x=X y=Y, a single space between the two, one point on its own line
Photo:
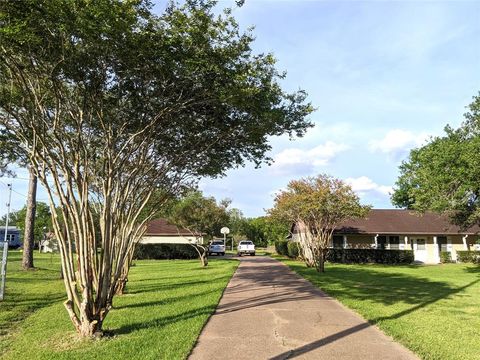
x=269 y=312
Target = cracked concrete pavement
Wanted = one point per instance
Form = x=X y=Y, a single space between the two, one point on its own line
x=269 y=312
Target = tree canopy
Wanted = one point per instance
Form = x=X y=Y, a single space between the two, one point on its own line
x=264 y=230
x=200 y=214
x=444 y=174
x=317 y=205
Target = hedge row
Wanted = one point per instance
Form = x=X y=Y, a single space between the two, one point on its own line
x=351 y=256
x=281 y=247
x=469 y=256
x=293 y=250
x=165 y=251
x=361 y=256
x=445 y=257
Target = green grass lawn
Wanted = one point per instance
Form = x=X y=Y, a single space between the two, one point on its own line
x=432 y=310
x=161 y=316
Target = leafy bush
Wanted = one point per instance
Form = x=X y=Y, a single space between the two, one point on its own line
x=468 y=256
x=445 y=257
x=281 y=247
x=293 y=250
x=361 y=256
x=165 y=251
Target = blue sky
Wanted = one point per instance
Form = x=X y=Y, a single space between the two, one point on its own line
x=383 y=75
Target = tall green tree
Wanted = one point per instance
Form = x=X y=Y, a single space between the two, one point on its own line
x=11 y=153
x=237 y=223
x=266 y=230
x=30 y=219
x=444 y=174
x=317 y=206
x=111 y=102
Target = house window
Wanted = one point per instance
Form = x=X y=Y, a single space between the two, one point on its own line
x=381 y=242
x=442 y=243
x=10 y=237
x=394 y=242
x=337 y=242
x=421 y=244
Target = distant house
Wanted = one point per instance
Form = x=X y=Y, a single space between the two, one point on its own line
x=49 y=244
x=427 y=235
x=14 y=236
x=160 y=231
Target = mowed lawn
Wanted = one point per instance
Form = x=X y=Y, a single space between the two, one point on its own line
x=432 y=310
x=166 y=305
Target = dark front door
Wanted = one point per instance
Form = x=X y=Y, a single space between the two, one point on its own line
x=381 y=242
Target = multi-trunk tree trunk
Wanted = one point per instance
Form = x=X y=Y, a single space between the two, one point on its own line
x=202 y=252
x=313 y=242
x=29 y=235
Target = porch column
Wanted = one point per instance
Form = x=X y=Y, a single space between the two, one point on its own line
x=464 y=239
x=436 y=252
x=406 y=243
x=375 y=240
x=345 y=243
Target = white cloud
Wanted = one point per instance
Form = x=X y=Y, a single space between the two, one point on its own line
x=398 y=142
x=300 y=161
x=363 y=185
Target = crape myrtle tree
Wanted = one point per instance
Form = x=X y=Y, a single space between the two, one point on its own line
x=317 y=205
x=160 y=204
x=444 y=175
x=202 y=216
x=111 y=103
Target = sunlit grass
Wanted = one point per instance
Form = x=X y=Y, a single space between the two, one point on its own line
x=433 y=310
x=166 y=305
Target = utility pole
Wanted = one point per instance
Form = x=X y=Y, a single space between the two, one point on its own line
x=5 y=246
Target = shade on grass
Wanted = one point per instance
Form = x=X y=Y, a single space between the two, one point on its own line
x=166 y=305
x=432 y=310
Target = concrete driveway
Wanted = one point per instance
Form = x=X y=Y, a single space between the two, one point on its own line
x=269 y=312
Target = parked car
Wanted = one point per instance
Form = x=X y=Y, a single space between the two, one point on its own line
x=245 y=247
x=216 y=247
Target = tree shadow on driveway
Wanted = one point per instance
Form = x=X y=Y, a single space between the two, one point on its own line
x=388 y=288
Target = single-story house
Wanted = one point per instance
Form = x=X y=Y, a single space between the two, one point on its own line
x=160 y=231
x=14 y=236
x=426 y=234
x=49 y=244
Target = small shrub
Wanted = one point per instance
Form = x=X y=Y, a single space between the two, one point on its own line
x=293 y=250
x=362 y=256
x=468 y=256
x=445 y=257
x=164 y=251
x=281 y=247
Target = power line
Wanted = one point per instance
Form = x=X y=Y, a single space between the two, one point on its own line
x=15 y=191
x=14 y=177
x=19 y=193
